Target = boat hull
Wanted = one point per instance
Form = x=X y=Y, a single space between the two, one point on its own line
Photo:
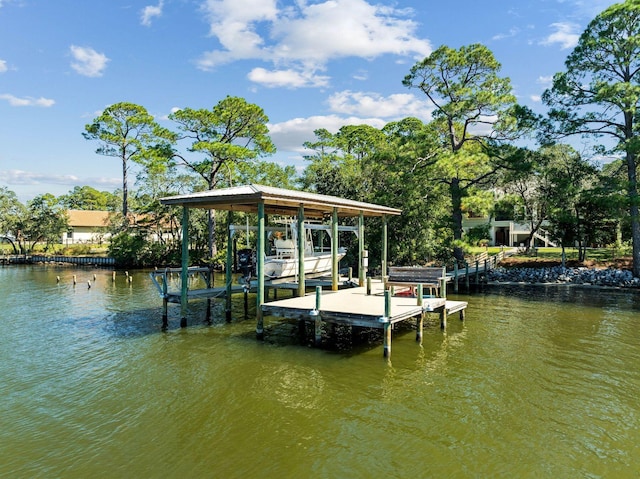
x=285 y=267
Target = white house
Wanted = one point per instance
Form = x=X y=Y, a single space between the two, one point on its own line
x=507 y=232
x=86 y=227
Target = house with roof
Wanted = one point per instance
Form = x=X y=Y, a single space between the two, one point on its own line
x=505 y=232
x=86 y=226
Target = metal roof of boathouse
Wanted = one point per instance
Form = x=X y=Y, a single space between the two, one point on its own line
x=278 y=201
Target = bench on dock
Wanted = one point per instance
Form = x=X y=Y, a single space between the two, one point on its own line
x=412 y=276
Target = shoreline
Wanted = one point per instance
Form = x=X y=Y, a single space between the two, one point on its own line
x=568 y=276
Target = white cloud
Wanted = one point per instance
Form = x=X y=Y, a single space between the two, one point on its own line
x=290 y=135
x=361 y=75
x=3 y=66
x=536 y=98
x=20 y=177
x=546 y=81
x=398 y=105
x=88 y=62
x=27 y=101
x=287 y=78
x=301 y=39
x=565 y=34
x=512 y=33
x=150 y=12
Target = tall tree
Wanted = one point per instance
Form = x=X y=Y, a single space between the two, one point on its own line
x=88 y=198
x=567 y=178
x=128 y=132
x=474 y=109
x=341 y=162
x=233 y=131
x=44 y=221
x=599 y=95
x=11 y=213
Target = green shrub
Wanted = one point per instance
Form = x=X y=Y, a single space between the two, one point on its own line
x=478 y=235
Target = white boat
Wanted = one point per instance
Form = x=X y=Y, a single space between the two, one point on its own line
x=284 y=263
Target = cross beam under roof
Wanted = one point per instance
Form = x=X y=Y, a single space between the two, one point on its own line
x=278 y=201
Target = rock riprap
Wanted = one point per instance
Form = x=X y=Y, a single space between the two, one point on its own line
x=558 y=274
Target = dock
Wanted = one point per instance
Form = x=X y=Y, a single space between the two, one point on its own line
x=355 y=307
x=351 y=304
x=366 y=307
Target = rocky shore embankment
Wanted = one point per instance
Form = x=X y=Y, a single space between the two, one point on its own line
x=559 y=275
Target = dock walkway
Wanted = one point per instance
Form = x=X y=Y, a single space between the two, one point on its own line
x=354 y=307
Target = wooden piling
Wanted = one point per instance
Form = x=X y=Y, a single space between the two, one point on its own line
x=245 y=292
x=466 y=275
x=165 y=314
x=368 y=285
x=113 y=276
x=477 y=272
x=455 y=276
x=74 y=280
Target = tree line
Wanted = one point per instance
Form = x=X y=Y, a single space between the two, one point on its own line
x=468 y=159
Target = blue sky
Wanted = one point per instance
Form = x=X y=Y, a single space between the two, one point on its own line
x=308 y=63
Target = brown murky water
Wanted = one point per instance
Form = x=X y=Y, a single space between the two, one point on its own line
x=538 y=382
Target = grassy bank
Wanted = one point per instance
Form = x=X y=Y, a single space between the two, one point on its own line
x=619 y=258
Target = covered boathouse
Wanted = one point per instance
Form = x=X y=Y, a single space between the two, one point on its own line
x=267 y=200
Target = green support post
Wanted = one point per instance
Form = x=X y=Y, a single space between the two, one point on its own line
x=301 y=243
x=260 y=271
x=334 y=250
x=420 y=320
x=229 y=266
x=387 y=324
x=184 y=273
x=384 y=246
x=361 y=258
x=317 y=320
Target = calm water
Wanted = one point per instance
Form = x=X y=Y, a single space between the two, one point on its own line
x=536 y=383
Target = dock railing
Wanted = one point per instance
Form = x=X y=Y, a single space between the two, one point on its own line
x=478 y=266
x=161 y=278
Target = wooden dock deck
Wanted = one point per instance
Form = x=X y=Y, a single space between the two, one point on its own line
x=367 y=307
x=354 y=307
